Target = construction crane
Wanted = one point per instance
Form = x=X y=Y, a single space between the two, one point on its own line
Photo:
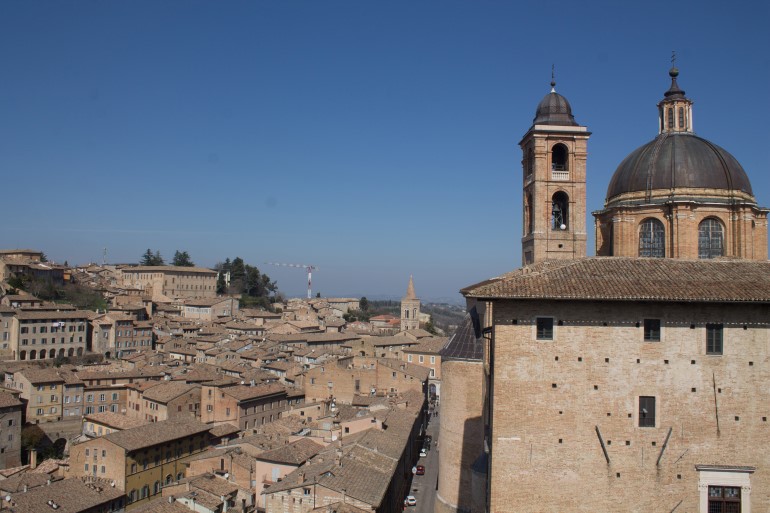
x=308 y=268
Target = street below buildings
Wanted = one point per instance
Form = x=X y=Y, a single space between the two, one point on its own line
x=424 y=487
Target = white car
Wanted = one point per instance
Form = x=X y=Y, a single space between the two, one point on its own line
x=410 y=501
x=423 y=453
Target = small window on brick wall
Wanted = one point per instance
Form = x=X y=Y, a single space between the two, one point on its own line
x=652 y=330
x=545 y=328
x=714 y=338
x=646 y=411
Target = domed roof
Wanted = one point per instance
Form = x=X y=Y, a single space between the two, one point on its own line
x=675 y=160
x=554 y=109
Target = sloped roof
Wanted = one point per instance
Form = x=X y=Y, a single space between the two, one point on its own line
x=632 y=279
x=295 y=453
x=155 y=433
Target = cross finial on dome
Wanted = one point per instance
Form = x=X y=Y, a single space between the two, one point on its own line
x=553 y=78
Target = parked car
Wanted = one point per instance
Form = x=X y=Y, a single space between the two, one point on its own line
x=420 y=470
x=428 y=439
x=423 y=453
x=410 y=501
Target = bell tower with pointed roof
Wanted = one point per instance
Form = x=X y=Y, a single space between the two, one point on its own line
x=554 y=183
x=410 y=308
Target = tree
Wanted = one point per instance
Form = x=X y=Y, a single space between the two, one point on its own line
x=182 y=259
x=150 y=259
x=221 y=282
x=429 y=327
x=43 y=257
x=318 y=294
x=363 y=304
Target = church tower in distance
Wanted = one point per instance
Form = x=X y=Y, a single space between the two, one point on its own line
x=554 y=182
x=410 y=309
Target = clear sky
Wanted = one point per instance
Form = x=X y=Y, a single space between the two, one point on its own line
x=373 y=139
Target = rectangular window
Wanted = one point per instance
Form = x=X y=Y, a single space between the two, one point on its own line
x=652 y=330
x=646 y=411
x=545 y=328
x=725 y=498
x=714 y=338
x=409 y=358
x=422 y=359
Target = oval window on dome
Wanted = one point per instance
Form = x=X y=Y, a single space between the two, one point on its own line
x=710 y=239
x=652 y=239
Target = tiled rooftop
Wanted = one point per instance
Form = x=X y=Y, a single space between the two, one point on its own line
x=632 y=279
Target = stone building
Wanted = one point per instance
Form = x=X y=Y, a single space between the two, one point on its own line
x=141 y=460
x=10 y=428
x=48 y=334
x=171 y=281
x=410 y=308
x=638 y=376
x=243 y=406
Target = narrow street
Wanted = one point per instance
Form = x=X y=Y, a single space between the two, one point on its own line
x=424 y=487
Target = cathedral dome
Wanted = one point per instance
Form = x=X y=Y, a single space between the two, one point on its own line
x=554 y=109
x=678 y=160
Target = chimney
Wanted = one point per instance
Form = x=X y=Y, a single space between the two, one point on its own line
x=32 y=459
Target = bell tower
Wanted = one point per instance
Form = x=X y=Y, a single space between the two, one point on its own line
x=554 y=181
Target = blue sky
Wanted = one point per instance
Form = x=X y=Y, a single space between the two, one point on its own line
x=372 y=139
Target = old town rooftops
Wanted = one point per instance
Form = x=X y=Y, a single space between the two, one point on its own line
x=155 y=433
x=632 y=279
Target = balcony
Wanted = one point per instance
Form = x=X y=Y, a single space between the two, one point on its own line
x=559 y=173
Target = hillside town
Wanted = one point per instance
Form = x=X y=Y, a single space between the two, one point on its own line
x=174 y=398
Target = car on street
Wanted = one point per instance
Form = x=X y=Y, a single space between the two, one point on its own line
x=423 y=453
x=410 y=501
x=420 y=470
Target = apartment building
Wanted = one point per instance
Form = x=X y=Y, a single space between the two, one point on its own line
x=48 y=334
x=171 y=281
x=141 y=460
x=41 y=390
x=10 y=428
x=243 y=406
x=164 y=400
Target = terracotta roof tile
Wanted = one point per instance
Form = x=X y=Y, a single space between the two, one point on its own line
x=632 y=279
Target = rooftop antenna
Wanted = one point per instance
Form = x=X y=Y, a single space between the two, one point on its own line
x=104 y=257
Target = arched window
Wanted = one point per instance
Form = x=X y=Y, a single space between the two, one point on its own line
x=156 y=487
x=169 y=478
x=414 y=313
x=145 y=491
x=559 y=158
x=406 y=313
x=22 y=355
x=681 y=117
x=560 y=211
x=131 y=496
x=33 y=355
x=652 y=239
x=670 y=117
x=528 y=215
x=710 y=239
x=42 y=354
x=179 y=476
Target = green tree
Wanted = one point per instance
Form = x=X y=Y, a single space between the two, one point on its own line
x=182 y=259
x=429 y=327
x=363 y=304
x=221 y=283
x=151 y=259
x=43 y=257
